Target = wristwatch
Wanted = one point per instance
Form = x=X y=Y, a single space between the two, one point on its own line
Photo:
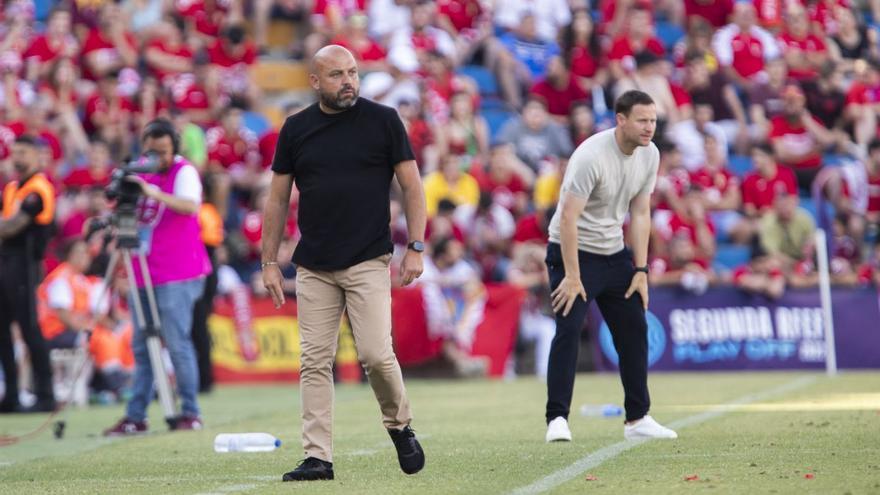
x=417 y=246
x=642 y=269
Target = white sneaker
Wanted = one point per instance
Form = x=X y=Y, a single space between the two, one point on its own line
x=646 y=428
x=557 y=431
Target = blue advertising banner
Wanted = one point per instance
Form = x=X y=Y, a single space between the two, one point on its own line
x=728 y=329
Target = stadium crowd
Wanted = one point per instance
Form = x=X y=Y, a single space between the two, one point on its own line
x=768 y=127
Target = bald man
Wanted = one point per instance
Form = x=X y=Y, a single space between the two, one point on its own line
x=342 y=152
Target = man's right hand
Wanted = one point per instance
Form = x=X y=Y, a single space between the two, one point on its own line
x=272 y=279
x=566 y=293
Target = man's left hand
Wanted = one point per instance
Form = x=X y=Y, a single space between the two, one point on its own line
x=149 y=190
x=411 y=267
x=639 y=284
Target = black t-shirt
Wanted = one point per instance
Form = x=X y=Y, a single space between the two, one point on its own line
x=343 y=165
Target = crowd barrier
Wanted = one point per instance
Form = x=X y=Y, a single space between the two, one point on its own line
x=724 y=329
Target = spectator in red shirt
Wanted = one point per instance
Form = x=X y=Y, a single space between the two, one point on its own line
x=715 y=12
x=231 y=146
x=423 y=36
x=151 y=102
x=269 y=139
x=329 y=16
x=692 y=223
x=614 y=20
x=370 y=55
x=232 y=55
x=760 y=188
x=638 y=37
x=673 y=179
x=582 y=50
x=96 y=173
x=203 y=17
x=798 y=138
x=59 y=86
x=863 y=102
x=167 y=55
x=682 y=267
x=421 y=137
x=721 y=190
x=559 y=89
x=233 y=156
x=507 y=178
x=872 y=169
x=742 y=47
x=110 y=115
x=823 y=16
x=532 y=228
x=198 y=94
x=108 y=48
x=763 y=275
x=459 y=16
x=804 y=52
x=56 y=42
x=35 y=122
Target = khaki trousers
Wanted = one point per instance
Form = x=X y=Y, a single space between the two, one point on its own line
x=364 y=291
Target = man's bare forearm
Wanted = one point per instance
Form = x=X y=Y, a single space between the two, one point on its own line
x=275 y=216
x=414 y=207
x=640 y=228
x=569 y=245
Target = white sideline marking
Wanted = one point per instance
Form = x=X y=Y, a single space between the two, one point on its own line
x=223 y=490
x=598 y=457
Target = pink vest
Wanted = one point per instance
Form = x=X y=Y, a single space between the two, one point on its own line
x=172 y=241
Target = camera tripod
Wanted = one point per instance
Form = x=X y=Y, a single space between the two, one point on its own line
x=128 y=242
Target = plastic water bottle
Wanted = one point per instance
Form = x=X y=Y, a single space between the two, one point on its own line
x=245 y=442
x=601 y=410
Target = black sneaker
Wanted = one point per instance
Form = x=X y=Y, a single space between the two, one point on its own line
x=409 y=453
x=310 y=469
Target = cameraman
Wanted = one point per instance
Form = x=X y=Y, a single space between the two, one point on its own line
x=177 y=263
x=25 y=229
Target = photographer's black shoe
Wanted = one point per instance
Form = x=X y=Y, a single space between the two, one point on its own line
x=409 y=452
x=310 y=469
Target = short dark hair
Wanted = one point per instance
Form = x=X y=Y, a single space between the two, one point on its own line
x=159 y=128
x=631 y=98
x=873 y=145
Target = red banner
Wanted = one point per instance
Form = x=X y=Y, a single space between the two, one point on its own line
x=270 y=337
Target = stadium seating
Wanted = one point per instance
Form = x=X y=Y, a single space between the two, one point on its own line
x=669 y=33
x=256 y=122
x=496 y=118
x=730 y=256
x=739 y=165
x=483 y=77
